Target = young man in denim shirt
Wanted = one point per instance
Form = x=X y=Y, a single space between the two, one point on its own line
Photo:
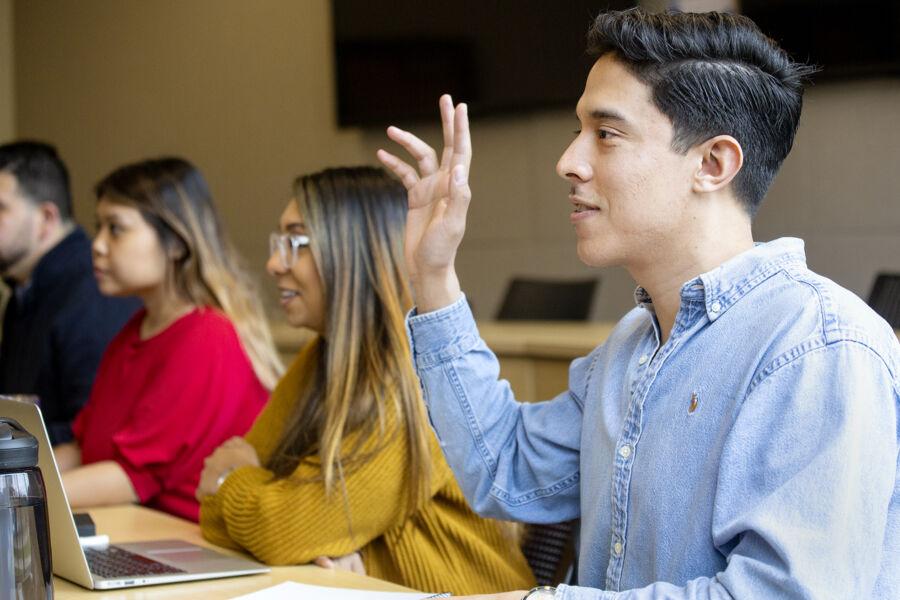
x=737 y=434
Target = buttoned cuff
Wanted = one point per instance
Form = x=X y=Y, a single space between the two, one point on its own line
x=441 y=335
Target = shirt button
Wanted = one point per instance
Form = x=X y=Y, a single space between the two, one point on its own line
x=625 y=451
x=617 y=548
x=716 y=307
x=642 y=359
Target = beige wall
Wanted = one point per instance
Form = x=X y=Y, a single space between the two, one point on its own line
x=7 y=94
x=245 y=89
x=840 y=187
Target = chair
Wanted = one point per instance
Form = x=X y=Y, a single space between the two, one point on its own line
x=550 y=552
x=885 y=297
x=547 y=300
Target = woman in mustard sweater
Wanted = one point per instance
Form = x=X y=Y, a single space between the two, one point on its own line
x=343 y=459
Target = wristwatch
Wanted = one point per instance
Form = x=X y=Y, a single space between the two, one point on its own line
x=541 y=592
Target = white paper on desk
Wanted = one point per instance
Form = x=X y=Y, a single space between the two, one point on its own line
x=291 y=590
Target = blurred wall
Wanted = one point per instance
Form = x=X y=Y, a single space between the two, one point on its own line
x=7 y=96
x=245 y=89
x=840 y=188
x=7 y=64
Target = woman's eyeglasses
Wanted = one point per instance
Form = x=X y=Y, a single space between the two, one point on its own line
x=287 y=244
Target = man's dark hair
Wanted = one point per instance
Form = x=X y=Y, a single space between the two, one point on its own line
x=713 y=74
x=39 y=172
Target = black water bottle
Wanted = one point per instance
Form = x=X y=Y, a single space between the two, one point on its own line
x=25 y=569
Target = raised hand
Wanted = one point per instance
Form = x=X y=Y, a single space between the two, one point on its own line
x=439 y=198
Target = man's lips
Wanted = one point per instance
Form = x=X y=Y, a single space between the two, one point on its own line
x=580 y=208
x=581 y=205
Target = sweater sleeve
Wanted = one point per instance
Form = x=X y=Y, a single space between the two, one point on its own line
x=293 y=520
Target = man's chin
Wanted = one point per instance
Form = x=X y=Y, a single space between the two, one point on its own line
x=8 y=264
x=593 y=256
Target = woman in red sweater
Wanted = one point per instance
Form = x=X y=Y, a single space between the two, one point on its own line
x=190 y=370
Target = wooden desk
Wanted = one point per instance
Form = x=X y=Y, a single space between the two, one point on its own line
x=534 y=355
x=133 y=523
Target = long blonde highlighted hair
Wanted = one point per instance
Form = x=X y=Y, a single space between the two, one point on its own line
x=173 y=197
x=362 y=365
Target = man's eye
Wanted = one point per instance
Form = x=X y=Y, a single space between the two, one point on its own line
x=603 y=134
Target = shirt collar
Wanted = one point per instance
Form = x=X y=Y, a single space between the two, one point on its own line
x=721 y=287
x=73 y=252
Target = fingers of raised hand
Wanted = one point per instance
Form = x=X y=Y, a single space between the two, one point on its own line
x=462 y=142
x=460 y=196
x=419 y=150
x=447 y=126
x=408 y=175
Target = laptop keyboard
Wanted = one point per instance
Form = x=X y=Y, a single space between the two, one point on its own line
x=113 y=562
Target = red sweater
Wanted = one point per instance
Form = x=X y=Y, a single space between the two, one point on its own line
x=160 y=406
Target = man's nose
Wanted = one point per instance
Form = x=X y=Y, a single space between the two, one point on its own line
x=571 y=165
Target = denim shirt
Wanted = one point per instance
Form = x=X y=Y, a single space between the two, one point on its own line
x=754 y=455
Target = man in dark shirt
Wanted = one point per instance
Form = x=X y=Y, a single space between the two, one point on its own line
x=57 y=324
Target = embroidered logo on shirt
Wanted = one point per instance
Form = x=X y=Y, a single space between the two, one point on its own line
x=695 y=400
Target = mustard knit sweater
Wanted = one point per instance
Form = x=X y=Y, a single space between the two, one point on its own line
x=444 y=546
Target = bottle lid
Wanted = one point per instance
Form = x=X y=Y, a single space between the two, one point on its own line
x=18 y=448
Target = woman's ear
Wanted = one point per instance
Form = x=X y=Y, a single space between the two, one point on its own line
x=177 y=250
x=721 y=158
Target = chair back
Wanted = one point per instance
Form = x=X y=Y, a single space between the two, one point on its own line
x=548 y=300
x=550 y=552
x=885 y=297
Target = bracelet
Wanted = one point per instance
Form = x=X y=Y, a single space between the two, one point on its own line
x=223 y=477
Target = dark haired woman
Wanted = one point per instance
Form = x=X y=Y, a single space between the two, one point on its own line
x=187 y=372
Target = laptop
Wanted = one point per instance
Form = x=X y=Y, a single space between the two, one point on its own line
x=116 y=565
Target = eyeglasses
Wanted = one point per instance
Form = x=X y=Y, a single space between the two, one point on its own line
x=280 y=242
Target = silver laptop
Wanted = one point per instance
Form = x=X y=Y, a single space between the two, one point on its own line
x=119 y=565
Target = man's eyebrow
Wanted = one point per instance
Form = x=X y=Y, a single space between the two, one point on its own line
x=604 y=114
x=294 y=226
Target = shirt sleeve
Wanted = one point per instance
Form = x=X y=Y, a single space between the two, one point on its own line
x=805 y=485
x=78 y=341
x=514 y=461
x=293 y=520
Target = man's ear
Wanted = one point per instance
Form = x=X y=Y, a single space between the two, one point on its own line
x=721 y=158
x=50 y=219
